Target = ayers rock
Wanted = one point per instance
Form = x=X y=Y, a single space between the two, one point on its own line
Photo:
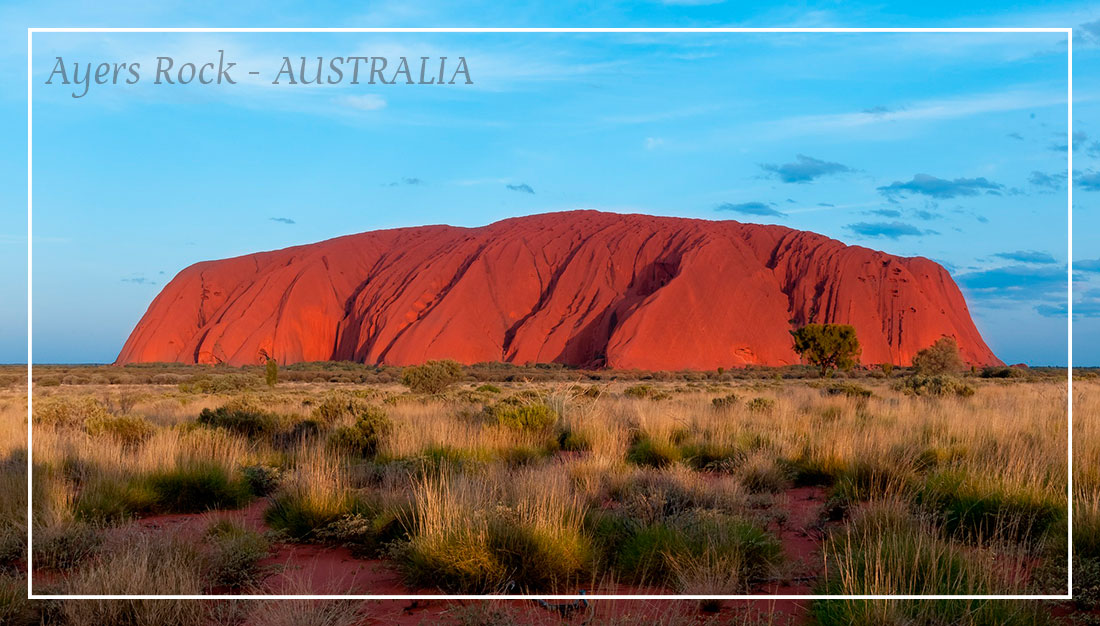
x=582 y=288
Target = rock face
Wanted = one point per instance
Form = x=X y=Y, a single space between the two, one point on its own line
x=582 y=288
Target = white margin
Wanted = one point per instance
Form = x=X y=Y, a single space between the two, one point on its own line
x=807 y=597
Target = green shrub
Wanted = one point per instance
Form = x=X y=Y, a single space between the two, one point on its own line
x=827 y=346
x=262 y=480
x=805 y=470
x=653 y=552
x=196 y=488
x=487 y=388
x=235 y=553
x=113 y=499
x=302 y=517
x=761 y=405
x=68 y=412
x=306 y=429
x=337 y=406
x=591 y=391
x=271 y=373
x=241 y=416
x=919 y=562
x=649 y=452
x=709 y=456
x=984 y=512
x=431 y=377
x=852 y=390
x=724 y=402
x=522 y=455
x=642 y=555
x=1003 y=372
x=368 y=535
x=863 y=480
x=941 y=357
x=365 y=436
x=762 y=476
x=509 y=552
x=218 y=383
x=610 y=529
x=437 y=459
x=129 y=430
x=574 y=440
x=645 y=391
x=66 y=546
x=653 y=496
x=531 y=417
x=937 y=385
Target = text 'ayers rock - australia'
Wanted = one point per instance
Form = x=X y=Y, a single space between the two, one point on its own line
x=581 y=288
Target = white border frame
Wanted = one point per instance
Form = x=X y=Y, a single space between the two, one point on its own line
x=1069 y=304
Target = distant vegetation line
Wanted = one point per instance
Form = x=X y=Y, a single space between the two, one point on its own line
x=351 y=372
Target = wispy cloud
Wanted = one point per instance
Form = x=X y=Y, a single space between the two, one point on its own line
x=1027 y=256
x=804 y=169
x=406 y=181
x=138 y=280
x=1089 y=181
x=877 y=110
x=1088 y=32
x=888 y=230
x=282 y=220
x=1086 y=305
x=922 y=214
x=750 y=208
x=365 y=102
x=938 y=109
x=1087 y=265
x=1048 y=181
x=1021 y=283
x=940 y=188
x=522 y=187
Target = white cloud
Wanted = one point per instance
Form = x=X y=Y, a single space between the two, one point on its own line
x=652 y=143
x=950 y=108
x=365 y=102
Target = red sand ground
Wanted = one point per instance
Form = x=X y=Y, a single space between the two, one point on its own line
x=581 y=288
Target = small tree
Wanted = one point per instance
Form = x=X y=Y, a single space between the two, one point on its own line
x=431 y=377
x=827 y=345
x=271 y=372
x=941 y=357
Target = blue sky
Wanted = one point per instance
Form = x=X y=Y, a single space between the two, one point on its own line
x=945 y=146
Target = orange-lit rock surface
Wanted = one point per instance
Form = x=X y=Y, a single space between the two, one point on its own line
x=582 y=288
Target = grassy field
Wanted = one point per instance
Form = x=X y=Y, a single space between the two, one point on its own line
x=538 y=480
